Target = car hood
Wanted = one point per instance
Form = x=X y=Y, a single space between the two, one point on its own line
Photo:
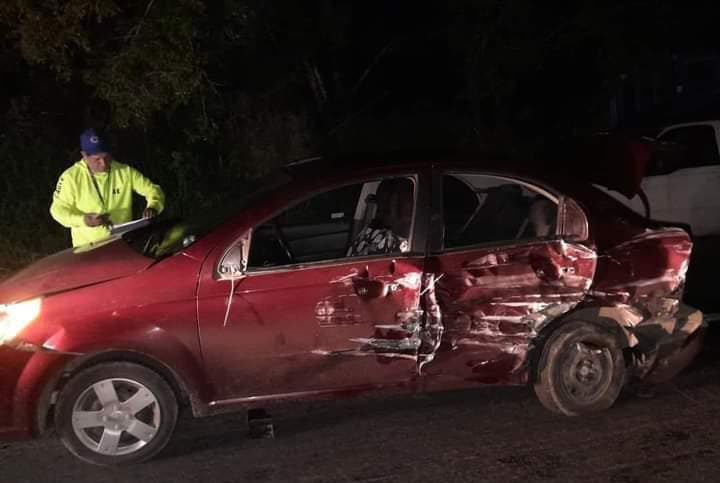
x=73 y=268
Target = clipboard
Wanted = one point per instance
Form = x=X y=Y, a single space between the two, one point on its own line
x=129 y=226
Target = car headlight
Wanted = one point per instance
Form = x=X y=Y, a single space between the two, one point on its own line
x=15 y=317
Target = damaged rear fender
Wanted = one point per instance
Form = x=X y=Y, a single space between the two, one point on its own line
x=610 y=321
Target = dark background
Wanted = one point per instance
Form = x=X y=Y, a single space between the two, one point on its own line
x=203 y=97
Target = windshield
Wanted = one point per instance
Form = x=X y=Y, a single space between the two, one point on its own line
x=165 y=237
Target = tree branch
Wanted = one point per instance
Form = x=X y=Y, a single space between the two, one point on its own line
x=135 y=31
x=370 y=67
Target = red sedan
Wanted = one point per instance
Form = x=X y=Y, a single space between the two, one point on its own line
x=325 y=282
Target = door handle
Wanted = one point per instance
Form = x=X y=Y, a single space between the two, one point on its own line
x=369 y=289
x=548 y=271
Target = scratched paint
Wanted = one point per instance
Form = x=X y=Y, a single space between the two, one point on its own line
x=485 y=309
x=493 y=304
x=647 y=304
x=402 y=338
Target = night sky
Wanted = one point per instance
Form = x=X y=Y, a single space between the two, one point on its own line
x=221 y=92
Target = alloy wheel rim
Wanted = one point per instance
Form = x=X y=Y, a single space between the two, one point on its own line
x=116 y=417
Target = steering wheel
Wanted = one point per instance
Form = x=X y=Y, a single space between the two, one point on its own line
x=152 y=243
x=283 y=242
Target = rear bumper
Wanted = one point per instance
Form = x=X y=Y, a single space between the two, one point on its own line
x=670 y=364
x=669 y=353
x=23 y=377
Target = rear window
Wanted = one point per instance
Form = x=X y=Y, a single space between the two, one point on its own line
x=611 y=221
x=480 y=209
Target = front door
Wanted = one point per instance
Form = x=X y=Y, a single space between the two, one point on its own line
x=316 y=309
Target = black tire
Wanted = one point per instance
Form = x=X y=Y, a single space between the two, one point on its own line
x=581 y=369
x=154 y=422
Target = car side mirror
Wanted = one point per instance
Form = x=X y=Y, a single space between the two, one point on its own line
x=234 y=263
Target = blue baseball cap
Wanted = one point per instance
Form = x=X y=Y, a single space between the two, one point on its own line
x=91 y=143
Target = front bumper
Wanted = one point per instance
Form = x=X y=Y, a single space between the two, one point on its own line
x=24 y=375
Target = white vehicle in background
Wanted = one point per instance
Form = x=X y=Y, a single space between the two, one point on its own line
x=684 y=187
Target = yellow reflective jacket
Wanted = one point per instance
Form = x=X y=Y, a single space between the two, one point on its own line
x=76 y=195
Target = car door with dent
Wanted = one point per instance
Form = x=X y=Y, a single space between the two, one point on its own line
x=509 y=260
x=308 y=315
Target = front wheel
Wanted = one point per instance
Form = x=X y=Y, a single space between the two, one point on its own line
x=581 y=369
x=116 y=413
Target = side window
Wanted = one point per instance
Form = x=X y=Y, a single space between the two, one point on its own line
x=485 y=209
x=689 y=147
x=360 y=219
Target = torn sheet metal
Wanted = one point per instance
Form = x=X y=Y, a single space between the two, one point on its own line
x=483 y=307
x=495 y=304
x=432 y=324
x=645 y=278
x=642 y=271
x=489 y=306
x=640 y=285
x=475 y=314
x=417 y=332
x=388 y=302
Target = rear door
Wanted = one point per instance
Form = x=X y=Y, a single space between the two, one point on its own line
x=502 y=270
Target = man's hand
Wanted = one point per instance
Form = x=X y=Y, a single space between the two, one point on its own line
x=94 y=219
x=149 y=213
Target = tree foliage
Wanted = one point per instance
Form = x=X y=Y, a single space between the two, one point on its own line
x=203 y=95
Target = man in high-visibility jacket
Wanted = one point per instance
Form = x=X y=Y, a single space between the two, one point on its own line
x=96 y=193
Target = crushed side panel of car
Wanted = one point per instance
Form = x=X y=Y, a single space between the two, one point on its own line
x=639 y=285
x=358 y=297
x=493 y=302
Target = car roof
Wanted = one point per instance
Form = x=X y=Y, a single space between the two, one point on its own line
x=552 y=174
x=570 y=177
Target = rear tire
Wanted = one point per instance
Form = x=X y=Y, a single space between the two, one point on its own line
x=116 y=413
x=581 y=369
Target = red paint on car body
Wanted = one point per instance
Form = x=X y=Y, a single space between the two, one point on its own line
x=424 y=320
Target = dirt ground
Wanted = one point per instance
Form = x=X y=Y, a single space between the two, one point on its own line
x=489 y=434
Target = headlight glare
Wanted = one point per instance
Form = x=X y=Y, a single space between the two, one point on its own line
x=15 y=317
